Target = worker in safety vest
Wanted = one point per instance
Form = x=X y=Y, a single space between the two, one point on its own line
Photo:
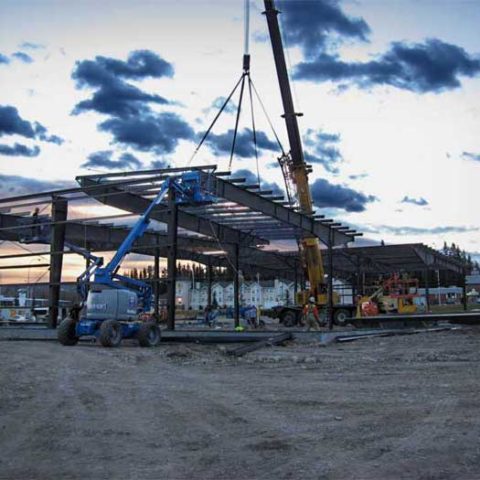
x=310 y=315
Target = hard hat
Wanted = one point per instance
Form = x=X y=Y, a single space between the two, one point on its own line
x=311 y=299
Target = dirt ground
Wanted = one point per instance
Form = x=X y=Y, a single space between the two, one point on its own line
x=383 y=408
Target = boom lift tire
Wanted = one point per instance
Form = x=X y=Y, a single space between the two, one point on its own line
x=289 y=319
x=341 y=317
x=66 y=332
x=110 y=333
x=149 y=335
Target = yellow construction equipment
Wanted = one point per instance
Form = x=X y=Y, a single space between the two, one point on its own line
x=293 y=165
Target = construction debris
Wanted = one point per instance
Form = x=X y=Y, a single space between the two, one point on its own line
x=269 y=342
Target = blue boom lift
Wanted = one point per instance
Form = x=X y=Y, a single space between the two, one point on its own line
x=114 y=302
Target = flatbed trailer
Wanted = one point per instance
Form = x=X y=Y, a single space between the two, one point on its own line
x=291 y=315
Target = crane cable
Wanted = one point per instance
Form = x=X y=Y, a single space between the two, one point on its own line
x=251 y=90
x=245 y=73
x=253 y=127
x=267 y=117
x=222 y=108
x=237 y=120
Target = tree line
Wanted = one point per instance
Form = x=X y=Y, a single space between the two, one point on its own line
x=184 y=271
x=462 y=256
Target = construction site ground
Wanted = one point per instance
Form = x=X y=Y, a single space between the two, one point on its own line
x=377 y=408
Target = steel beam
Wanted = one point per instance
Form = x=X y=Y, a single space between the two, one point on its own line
x=227 y=190
x=137 y=204
x=33 y=265
x=155 y=171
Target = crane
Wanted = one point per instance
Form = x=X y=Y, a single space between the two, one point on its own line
x=114 y=301
x=297 y=171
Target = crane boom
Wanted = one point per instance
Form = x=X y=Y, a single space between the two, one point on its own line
x=298 y=169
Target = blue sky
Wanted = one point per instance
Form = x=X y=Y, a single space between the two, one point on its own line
x=389 y=90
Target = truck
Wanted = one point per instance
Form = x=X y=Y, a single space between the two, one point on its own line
x=295 y=172
x=112 y=305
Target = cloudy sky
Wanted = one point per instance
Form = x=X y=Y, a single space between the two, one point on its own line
x=389 y=90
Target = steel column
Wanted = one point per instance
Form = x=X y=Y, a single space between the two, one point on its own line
x=87 y=262
x=172 y=231
x=330 y=281
x=236 y=286
x=59 y=214
x=209 y=285
x=464 y=290
x=156 y=286
x=295 y=286
x=358 y=277
x=427 y=288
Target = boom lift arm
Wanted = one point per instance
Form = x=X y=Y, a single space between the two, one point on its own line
x=188 y=188
x=83 y=280
x=108 y=275
x=298 y=169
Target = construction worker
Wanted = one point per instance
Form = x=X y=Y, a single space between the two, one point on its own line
x=310 y=315
x=250 y=315
x=206 y=315
x=211 y=314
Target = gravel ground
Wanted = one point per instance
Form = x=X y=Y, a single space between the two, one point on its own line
x=383 y=408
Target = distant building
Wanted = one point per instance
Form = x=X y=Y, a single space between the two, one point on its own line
x=473 y=282
x=473 y=287
x=443 y=295
x=265 y=293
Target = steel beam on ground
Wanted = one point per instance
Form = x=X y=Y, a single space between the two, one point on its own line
x=59 y=214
